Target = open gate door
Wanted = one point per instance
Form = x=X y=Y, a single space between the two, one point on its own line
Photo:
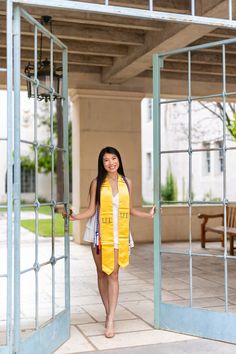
x=203 y=278
x=41 y=279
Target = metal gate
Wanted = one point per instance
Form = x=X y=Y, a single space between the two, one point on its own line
x=44 y=332
x=188 y=316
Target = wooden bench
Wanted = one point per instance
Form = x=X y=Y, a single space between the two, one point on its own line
x=231 y=228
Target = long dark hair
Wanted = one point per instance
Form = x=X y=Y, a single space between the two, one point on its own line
x=101 y=170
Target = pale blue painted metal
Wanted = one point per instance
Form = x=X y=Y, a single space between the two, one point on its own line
x=230 y=10
x=47 y=338
x=66 y=177
x=44 y=340
x=150 y=5
x=52 y=150
x=7 y=275
x=199 y=322
x=5 y=349
x=157 y=63
x=193 y=7
x=9 y=176
x=36 y=196
x=133 y=12
x=224 y=177
x=187 y=319
x=17 y=176
x=190 y=178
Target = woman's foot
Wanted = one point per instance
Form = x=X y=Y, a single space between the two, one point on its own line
x=106 y=321
x=110 y=331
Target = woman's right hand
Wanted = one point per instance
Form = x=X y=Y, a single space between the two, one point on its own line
x=72 y=216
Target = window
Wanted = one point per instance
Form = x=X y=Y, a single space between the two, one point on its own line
x=149 y=165
x=149 y=115
x=27 y=180
x=221 y=157
x=207 y=163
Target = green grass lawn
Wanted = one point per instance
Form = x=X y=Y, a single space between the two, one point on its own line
x=45 y=225
x=42 y=210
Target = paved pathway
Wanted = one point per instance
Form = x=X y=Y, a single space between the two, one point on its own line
x=196 y=346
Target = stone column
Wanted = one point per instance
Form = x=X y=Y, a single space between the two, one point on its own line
x=106 y=119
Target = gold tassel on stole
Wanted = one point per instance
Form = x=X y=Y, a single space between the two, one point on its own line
x=107 y=227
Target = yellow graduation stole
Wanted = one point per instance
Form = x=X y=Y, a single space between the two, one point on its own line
x=106 y=225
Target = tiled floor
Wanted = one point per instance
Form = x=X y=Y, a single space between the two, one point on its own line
x=134 y=315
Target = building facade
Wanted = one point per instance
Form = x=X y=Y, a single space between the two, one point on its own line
x=207 y=161
x=27 y=153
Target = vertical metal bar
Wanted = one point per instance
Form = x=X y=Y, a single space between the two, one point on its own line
x=157 y=63
x=36 y=177
x=17 y=177
x=230 y=10
x=106 y=2
x=193 y=7
x=52 y=177
x=224 y=177
x=66 y=175
x=190 y=179
x=9 y=172
x=151 y=5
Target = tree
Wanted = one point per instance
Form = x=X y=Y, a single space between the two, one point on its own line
x=230 y=115
x=44 y=155
x=169 y=191
x=201 y=121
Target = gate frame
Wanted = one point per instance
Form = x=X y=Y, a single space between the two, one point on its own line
x=57 y=328
x=195 y=321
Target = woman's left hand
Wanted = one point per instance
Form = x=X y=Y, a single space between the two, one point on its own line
x=152 y=211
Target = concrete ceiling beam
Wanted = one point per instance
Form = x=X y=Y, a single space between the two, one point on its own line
x=203 y=57
x=174 y=36
x=202 y=69
x=76 y=59
x=79 y=32
x=75 y=47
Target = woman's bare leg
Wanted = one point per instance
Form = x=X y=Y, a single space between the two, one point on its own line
x=113 y=292
x=102 y=280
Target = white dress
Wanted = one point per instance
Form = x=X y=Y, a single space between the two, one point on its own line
x=91 y=225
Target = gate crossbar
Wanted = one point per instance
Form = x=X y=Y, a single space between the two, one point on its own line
x=135 y=12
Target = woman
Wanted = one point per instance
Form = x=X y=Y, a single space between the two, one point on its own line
x=109 y=211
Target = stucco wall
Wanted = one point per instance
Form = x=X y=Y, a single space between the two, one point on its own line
x=175 y=222
x=100 y=120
